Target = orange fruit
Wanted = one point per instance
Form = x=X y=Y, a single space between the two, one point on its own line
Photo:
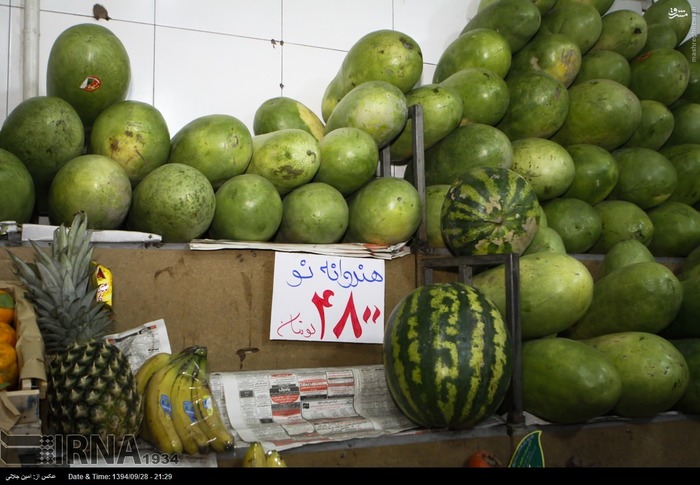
x=482 y=459
x=8 y=334
x=7 y=307
x=9 y=368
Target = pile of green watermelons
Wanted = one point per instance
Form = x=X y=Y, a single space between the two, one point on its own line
x=551 y=128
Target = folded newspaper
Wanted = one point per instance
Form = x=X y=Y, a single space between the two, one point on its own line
x=356 y=250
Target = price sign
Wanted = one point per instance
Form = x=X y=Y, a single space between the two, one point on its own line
x=327 y=299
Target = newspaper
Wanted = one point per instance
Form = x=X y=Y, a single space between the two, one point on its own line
x=290 y=408
x=355 y=250
x=139 y=343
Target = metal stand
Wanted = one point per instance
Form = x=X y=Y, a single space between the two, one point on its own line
x=464 y=265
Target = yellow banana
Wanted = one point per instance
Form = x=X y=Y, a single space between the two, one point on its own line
x=221 y=439
x=149 y=367
x=273 y=459
x=254 y=456
x=158 y=413
x=143 y=375
x=194 y=439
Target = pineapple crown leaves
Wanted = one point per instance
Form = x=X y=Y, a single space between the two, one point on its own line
x=59 y=285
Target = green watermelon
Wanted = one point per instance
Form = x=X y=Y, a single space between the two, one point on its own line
x=655 y=127
x=690 y=401
x=641 y=297
x=580 y=387
x=17 y=191
x=660 y=74
x=489 y=210
x=686 y=159
x=89 y=67
x=601 y=112
x=677 y=229
x=483 y=48
x=483 y=93
x=44 y=132
x=604 y=65
x=645 y=177
x=447 y=356
x=468 y=146
x=653 y=371
x=555 y=291
x=516 y=20
x=382 y=55
x=538 y=105
x=685 y=323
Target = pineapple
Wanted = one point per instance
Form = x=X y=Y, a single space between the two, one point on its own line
x=91 y=388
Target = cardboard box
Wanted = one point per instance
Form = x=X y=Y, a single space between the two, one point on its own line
x=21 y=404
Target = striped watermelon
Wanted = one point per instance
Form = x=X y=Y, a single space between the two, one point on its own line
x=447 y=356
x=489 y=210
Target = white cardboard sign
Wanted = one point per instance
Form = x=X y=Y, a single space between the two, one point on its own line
x=327 y=299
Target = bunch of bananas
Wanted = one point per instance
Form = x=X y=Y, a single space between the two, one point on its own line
x=256 y=457
x=180 y=414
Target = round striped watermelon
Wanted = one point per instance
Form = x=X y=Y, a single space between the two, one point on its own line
x=447 y=356
x=489 y=210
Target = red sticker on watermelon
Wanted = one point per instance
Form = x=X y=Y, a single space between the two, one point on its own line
x=91 y=83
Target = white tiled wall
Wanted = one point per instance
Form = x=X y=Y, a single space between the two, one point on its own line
x=191 y=59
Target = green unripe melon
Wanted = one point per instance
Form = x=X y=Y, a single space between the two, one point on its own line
x=538 y=105
x=483 y=48
x=653 y=372
x=89 y=67
x=349 y=158
x=483 y=93
x=133 y=133
x=377 y=107
x=17 y=193
x=555 y=291
x=248 y=208
x=517 y=20
x=546 y=240
x=690 y=401
x=643 y=297
x=545 y=164
x=94 y=184
x=176 y=201
x=442 y=110
x=282 y=112
x=382 y=55
x=676 y=229
x=622 y=220
x=45 y=132
x=655 y=126
x=686 y=159
x=623 y=31
x=645 y=177
x=575 y=389
x=288 y=158
x=218 y=145
x=467 y=146
x=604 y=65
x=576 y=221
x=661 y=74
x=314 y=213
x=595 y=173
x=624 y=253
x=601 y=112
x=385 y=210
